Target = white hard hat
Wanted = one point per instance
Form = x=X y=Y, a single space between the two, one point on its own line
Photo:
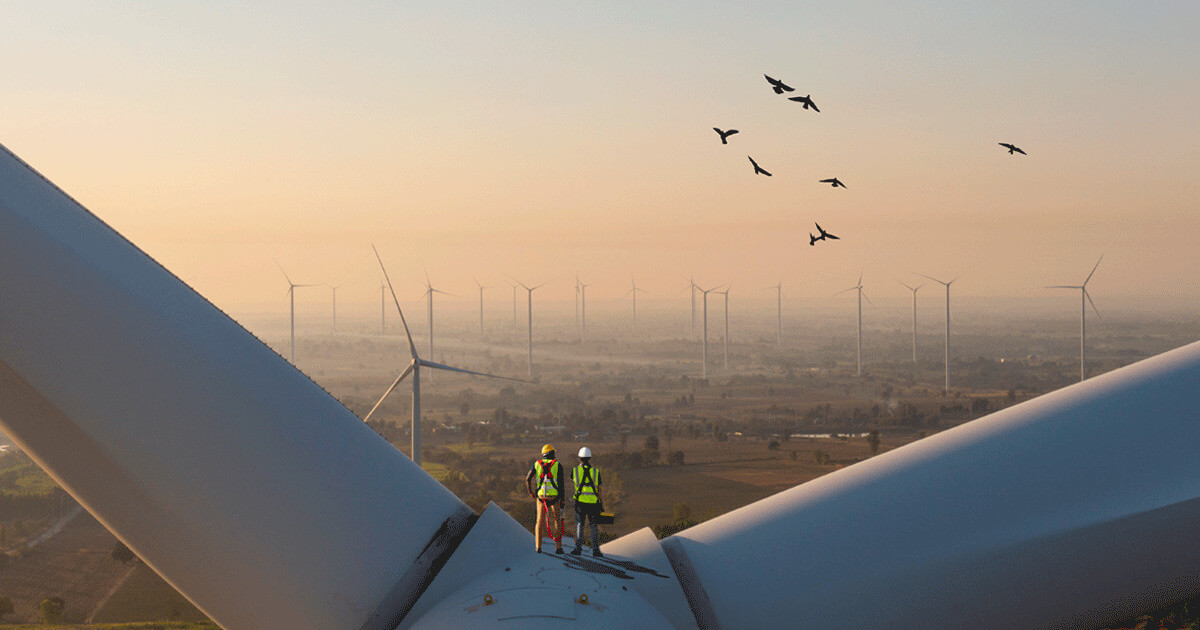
x=585 y=452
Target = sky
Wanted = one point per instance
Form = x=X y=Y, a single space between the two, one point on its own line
x=478 y=140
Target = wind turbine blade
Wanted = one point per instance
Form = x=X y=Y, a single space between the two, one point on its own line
x=440 y=366
x=518 y=282
x=935 y=279
x=1089 y=299
x=1063 y=286
x=1089 y=277
x=844 y=290
x=953 y=281
x=867 y=299
x=906 y=286
x=412 y=347
x=230 y=455
x=548 y=282
x=444 y=292
x=284 y=272
x=408 y=370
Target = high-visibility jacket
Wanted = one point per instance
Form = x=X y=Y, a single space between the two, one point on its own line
x=586 y=479
x=547 y=472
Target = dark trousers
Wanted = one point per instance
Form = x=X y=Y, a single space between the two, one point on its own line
x=587 y=511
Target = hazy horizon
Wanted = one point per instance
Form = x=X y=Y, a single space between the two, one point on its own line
x=545 y=140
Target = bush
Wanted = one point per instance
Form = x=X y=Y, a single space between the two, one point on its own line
x=51 y=610
x=675 y=458
x=6 y=606
x=773 y=445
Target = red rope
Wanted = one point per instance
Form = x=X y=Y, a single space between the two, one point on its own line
x=550 y=515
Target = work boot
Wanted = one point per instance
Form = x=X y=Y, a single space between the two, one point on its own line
x=538 y=550
x=596 y=553
x=559 y=551
x=577 y=552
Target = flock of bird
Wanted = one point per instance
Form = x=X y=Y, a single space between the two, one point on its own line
x=780 y=87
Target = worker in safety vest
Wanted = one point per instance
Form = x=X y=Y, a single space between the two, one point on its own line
x=588 y=503
x=547 y=474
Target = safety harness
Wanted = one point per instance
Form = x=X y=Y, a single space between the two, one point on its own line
x=585 y=481
x=545 y=473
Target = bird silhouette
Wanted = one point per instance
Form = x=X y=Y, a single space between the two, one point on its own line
x=725 y=134
x=824 y=235
x=757 y=169
x=808 y=102
x=1012 y=148
x=779 y=86
x=812 y=240
x=833 y=182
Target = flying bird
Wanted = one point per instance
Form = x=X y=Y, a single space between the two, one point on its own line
x=757 y=169
x=808 y=102
x=779 y=86
x=812 y=240
x=1012 y=148
x=725 y=134
x=833 y=182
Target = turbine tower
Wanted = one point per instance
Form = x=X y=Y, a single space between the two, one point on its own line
x=577 y=292
x=947 y=284
x=581 y=288
x=292 y=286
x=382 y=309
x=429 y=291
x=1085 y=298
x=481 y=288
x=914 y=292
x=858 y=287
x=414 y=368
x=704 y=370
x=529 y=290
x=633 y=291
x=726 y=337
x=778 y=314
x=693 y=288
x=334 y=290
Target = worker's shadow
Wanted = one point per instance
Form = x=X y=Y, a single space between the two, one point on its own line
x=617 y=568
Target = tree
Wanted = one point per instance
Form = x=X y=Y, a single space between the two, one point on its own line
x=464 y=408
x=6 y=606
x=675 y=458
x=51 y=610
x=873 y=442
x=650 y=448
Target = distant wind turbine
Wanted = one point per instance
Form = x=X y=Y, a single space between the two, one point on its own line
x=481 y=288
x=858 y=287
x=414 y=368
x=334 y=289
x=726 y=337
x=947 y=284
x=1085 y=298
x=778 y=314
x=529 y=290
x=914 y=292
x=292 y=286
x=429 y=291
x=704 y=293
x=382 y=309
x=582 y=288
x=692 y=287
x=632 y=292
x=577 y=292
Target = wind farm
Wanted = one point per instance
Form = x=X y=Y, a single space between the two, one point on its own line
x=198 y=453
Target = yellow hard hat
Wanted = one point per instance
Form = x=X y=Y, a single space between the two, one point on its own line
x=546 y=448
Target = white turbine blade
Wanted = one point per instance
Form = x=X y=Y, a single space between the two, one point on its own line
x=448 y=368
x=518 y=282
x=412 y=347
x=906 y=286
x=1089 y=276
x=254 y=492
x=843 y=291
x=935 y=279
x=284 y=272
x=1089 y=299
x=444 y=292
x=1063 y=286
x=408 y=370
x=1019 y=519
x=864 y=294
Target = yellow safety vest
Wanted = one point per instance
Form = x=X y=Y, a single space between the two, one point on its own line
x=547 y=473
x=585 y=481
